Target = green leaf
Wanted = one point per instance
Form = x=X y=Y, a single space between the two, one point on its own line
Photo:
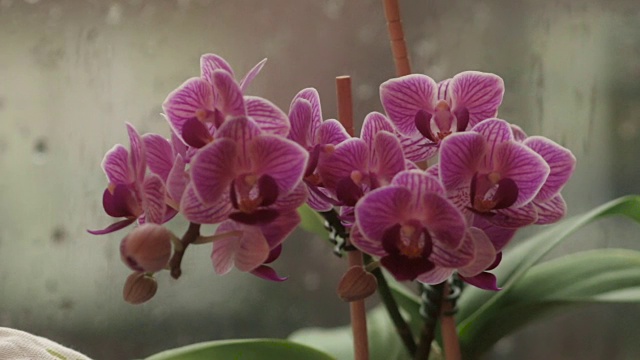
x=312 y=221
x=596 y=276
x=519 y=259
x=251 y=349
x=408 y=302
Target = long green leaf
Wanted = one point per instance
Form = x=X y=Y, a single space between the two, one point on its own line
x=312 y=221
x=596 y=276
x=520 y=258
x=252 y=349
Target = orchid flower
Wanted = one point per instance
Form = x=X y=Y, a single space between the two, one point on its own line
x=248 y=169
x=491 y=176
x=359 y=165
x=167 y=160
x=412 y=226
x=132 y=192
x=318 y=138
x=201 y=104
x=421 y=109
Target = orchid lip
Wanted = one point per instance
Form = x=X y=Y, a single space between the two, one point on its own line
x=423 y=124
x=260 y=216
x=348 y=192
x=195 y=133
x=504 y=196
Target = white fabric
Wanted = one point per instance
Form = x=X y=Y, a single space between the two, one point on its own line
x=20 y=345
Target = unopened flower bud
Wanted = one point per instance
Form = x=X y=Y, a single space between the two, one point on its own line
x=147 y=248
x=139 y=288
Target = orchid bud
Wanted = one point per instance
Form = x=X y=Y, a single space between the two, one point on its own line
x=139 y=288
x=147 y=248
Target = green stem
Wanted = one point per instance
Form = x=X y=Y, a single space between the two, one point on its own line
x=432 y=296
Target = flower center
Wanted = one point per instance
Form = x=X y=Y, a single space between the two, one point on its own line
x=492 y=192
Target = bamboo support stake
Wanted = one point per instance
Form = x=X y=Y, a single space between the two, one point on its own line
x=357 y=309
x=396 y=37
x=448 y=329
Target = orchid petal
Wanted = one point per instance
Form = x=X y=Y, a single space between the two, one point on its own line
x=373 y=123
x=498 y=236
x=293 y=199
x=478 y=93
x=444 y=221
x=300 y=118
x=452 y=257
x=242 y=130
x=246 y=81
x=484 y=280
x=177 y=180
x=213 y=169
x=194 y=97
x=418 y=182
x=417 y=148
x=267 y=273
x=230 y=100
x=351 y=155
x=364 y=244
x=195 y=133
x=550 y=211
x=331 y=132
x=210 y=63
x=522 y=165
x=435 y=276
x=282 y=159
x=312 y=96
x=154 y=194
x=121 y=202
x=460 y=156
x=518 y=134
x=179 y=147
x=138 y=153
x=159 y=154
x=269 y=117
x=514 y=217
x=381 y=209
x=246 y=251
x=495 y=132
x=113 y=227
x=318 y=202
x=387 y=158
x=116 y=165
x=561 y=162
x=403 y=97
x=484 y=254
x=195 y=211
x=444 y=90
x=277 y=231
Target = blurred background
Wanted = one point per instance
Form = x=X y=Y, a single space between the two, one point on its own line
x=72 y=72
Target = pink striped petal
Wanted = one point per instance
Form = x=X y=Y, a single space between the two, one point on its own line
x=351 y=155
x=246 y=81
x=444 y=90
x=418 y=182
x=293 y=199
x=116 y=165
x=213 y=169
x=278 y=230
x=159 y=154
x=154 y=194
x=381 y=209
x=179 y=147
x=282 y=159
x=300 y=117
x=312 y=96
x=460 y=157
x=522 y=165
x=374 y=122
x=417 y=148
x=317 y=201
x=444 y=221
x=210 y=63
x=269 y=117
x=498 y=236
x=484 y=280
x=267 y=273
x=435 y=276
x=484 y=254
x=246 y=251
x=387 y=158
x=550 y=211
x=515 y=217
x=113 y=227
x=331 y=132
x=561 y=162
x=518 y=134
x=495 y=132
x=229 y=99
x=192 y=99
x=195 y=211
x=403 y=97
x=479 y=93
x=364 y=244
x=242 y=130
x=137 y=153
x=177 y=180
x=452 y=258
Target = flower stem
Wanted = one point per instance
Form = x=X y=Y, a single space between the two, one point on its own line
x=432 y=296
x=191 y=235
x=396 y=37
x=402 y=328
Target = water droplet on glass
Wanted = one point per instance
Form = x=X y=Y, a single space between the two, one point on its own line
x=40 y=150
x=59 y=235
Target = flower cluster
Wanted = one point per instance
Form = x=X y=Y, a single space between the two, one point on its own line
x=240 y=162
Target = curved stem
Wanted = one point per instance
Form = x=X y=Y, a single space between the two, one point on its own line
x=190 y=236
x=432 y=296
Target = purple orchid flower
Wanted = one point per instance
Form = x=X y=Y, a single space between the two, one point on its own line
x=251 y=247
x=489 y=175
x=318 y=138
x=132 y=192
x=248 y=169
x=421 y=109
x=359 y=165
x=549 y=203
x=411 y=226
x=201 y=104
